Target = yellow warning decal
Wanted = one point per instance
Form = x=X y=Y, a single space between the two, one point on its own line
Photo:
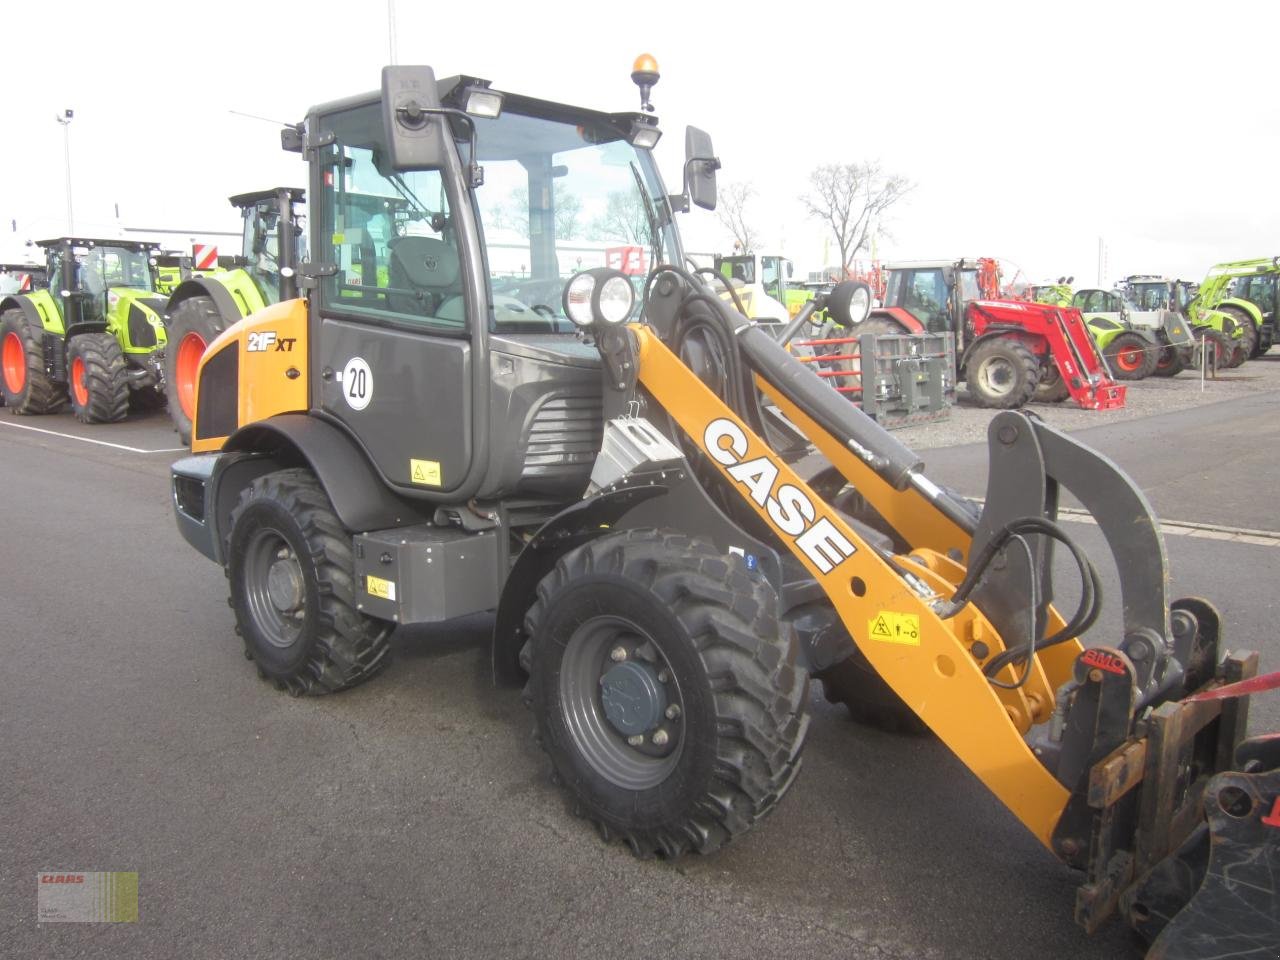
x=425 y=472
x=890 y=627
x=377 y=587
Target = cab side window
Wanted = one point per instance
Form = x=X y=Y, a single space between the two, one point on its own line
x=393 y=243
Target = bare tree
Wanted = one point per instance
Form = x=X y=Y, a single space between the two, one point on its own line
x=731 y=211
x=513 y=214
x=624 y=219
x=851 y=198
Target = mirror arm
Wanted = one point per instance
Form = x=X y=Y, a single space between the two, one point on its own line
x=680 y=201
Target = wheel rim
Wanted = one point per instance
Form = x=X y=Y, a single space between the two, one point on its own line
x=274 y=587
x=597 y=685
x=998 y=376
x=14 y=360
x=190 y=350
x=79 y=388
x=1129 y=359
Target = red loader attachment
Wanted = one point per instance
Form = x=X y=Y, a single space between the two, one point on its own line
x=1057 y=335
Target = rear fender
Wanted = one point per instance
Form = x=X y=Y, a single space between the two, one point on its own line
x=900 y=316
x=1247 y=307
x=233 y=293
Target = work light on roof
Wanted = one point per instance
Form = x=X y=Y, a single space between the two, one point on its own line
x=644 y=136
x=484 y=103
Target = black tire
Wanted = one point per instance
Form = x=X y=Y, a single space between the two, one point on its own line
x=98 y=378
x=1051 y=388
x=1131 y=357
x=704 y=630
x=1239 y=352
x=196 y=323
x=1220 y=345
x=1169 y=362
x=1002 y=373
x=27 y=388
x=871 y=701
x=292 y=577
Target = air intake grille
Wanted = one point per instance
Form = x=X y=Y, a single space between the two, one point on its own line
x=566 y=431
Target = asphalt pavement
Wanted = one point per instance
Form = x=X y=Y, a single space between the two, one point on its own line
x=414 y=816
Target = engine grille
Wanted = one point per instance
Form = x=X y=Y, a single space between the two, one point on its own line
x=566 y=432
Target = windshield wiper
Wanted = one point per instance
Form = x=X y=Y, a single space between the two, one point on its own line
x=410 y=197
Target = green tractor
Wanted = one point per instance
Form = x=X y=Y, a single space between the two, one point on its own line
x=173 y=268
x=203 y=306
x=1137 y=343
x=91 y=338
x=1220 y=330
x=1245 y=290
x=768 y=293
x=1057 y=294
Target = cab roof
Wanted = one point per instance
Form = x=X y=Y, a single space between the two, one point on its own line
x=138 y=246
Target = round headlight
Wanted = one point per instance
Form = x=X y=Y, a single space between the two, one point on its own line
x=616 y=298
x=849 y=302
x=577 y=298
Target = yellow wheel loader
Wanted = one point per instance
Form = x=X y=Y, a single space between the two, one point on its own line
x=591 y=459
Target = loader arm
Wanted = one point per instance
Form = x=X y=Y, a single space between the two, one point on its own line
x=1094 y=750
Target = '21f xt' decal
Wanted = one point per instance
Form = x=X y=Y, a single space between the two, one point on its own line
x=789 y=508
x=260 y=341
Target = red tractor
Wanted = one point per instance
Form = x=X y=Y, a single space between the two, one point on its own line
x=1009 y=350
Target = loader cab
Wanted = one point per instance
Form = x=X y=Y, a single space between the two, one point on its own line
x=932 y=292
x=764 y=278
x=1259 y=289
x=273 y=239
x=437 y=329
x=86 y=277
x=1098 y=301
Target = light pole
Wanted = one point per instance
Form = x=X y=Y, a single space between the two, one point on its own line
x=65 y=120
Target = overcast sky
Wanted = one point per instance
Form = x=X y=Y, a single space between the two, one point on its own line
x=1030 y=129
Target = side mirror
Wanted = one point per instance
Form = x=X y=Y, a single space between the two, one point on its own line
x=415 y=137
x=291 y=138
x=849 y=303
x=700 y=166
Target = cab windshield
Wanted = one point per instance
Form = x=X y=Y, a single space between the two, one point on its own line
x=1150 y=296
x=561 y=196
x=101 y=268
x=558 y=196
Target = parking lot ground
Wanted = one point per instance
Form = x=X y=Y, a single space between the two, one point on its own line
x=414 y=815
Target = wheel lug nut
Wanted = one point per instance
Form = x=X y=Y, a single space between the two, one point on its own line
x=282 y=553
x=673 y=711
x=660 y=738
x=636 y=741
x=664 y=676
x=618 y=654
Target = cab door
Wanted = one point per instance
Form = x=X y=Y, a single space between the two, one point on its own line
x=391 y=339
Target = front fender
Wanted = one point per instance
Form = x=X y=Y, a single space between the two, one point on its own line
x=572 y=527
x=360 y=498
x=38 y=307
